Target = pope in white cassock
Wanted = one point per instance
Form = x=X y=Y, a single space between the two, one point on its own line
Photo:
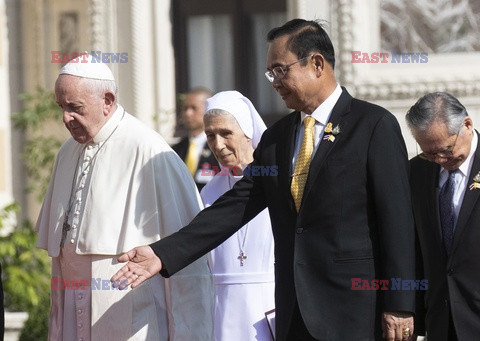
x=116 y=184
x=242 y=266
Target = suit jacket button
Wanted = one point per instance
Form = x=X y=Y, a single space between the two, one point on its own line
x=450 y=271
x=299 y=230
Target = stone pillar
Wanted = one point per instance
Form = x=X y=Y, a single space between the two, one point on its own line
x=142 y=82
x=14 y=324
x=5 y=134
x=309 y=9
x=165 y=71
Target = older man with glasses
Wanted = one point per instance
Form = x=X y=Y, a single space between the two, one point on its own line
x=445 y=191
x=340 y=204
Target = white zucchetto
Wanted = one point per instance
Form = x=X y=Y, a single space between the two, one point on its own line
x=86 y=67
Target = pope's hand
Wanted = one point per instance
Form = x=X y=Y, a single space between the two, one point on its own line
x=142 y=264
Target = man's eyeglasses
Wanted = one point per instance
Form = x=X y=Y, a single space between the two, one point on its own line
x=278 y=72
x=446 y=153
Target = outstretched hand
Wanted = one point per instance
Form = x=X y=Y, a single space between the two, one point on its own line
x=142 y=264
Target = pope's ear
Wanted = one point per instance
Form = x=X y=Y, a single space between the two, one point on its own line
x=109 y=99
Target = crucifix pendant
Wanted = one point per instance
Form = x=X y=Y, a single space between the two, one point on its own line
x=242 y=257
x=65 y=228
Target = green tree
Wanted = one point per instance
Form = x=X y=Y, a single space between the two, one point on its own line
x=36 y=327
x=40 y=148
x=26 y=269
x=25 y=275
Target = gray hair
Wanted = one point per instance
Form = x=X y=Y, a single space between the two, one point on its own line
x=99 y=86
x=436 y=107
x=217 y=112
x=221 y=112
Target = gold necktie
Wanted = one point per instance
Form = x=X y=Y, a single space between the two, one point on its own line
x=302 y=163
x=191 y=159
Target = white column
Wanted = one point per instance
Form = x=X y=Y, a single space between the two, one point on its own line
x=165 y=95
x=309 y=9
x=103 y=28
x=143 y=81
x=97 y=15
x=6 y=195
x=5 y=145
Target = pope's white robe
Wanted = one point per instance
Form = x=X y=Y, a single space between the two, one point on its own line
x=131 y=189
x=242 y=293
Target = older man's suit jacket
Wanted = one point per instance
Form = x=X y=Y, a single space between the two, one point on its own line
x=355 y=222
x=207 y=161
x=453 y=282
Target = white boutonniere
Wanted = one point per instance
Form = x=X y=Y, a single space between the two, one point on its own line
x=476 y=182
x=330 y=132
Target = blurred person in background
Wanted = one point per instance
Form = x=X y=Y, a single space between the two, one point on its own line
x=193 y=149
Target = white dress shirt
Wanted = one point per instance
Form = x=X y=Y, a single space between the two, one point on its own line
x=199 y=141
x=321 y=116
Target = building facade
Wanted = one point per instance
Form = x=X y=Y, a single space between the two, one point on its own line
x=387 y=52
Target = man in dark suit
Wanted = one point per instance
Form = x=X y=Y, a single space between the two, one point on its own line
x=193 y=149
x=351 y=221
x=445 y=184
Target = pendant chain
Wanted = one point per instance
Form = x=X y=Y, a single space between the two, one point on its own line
x=241 y=244
x=76 y=184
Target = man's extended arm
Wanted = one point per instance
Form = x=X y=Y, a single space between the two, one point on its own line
x=208 y=229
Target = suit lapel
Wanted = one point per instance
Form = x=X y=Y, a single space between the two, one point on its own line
x=341 y=108
x=469 y=200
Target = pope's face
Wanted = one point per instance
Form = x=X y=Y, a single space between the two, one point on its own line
x=228 y=141
x=84 y=113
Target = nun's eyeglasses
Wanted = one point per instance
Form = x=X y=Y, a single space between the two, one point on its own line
x=278 y=72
